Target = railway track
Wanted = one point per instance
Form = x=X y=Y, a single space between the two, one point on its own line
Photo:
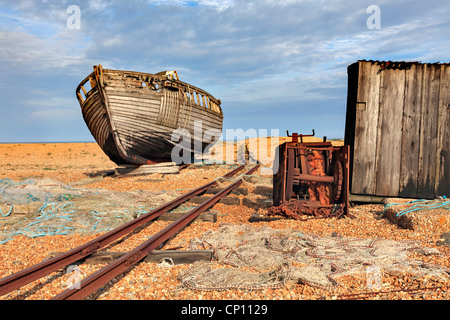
x=103 y=276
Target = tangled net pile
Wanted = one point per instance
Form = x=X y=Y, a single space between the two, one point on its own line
x=252 y=258
x=55 y=208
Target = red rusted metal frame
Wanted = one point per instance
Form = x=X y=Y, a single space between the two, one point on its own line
x=44 y=268
x=318 y=146
x=295 y=136
x=285 y=179
x=100 y=278
x=311 y=177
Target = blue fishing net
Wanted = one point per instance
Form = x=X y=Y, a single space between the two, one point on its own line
x=37 y=208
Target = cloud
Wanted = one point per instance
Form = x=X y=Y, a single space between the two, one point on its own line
x=30 y=52
x=55 y=114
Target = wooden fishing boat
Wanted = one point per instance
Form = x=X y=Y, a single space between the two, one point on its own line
x=132 y=115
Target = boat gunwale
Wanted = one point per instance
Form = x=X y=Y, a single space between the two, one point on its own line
x=164 y=78
x=160 y=77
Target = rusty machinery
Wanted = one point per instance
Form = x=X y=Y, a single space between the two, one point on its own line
x=312 y=179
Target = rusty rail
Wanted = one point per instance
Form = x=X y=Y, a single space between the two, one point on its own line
x=100 y=278
x=21 y=278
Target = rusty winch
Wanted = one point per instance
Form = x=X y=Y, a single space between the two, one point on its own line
x=312 y=179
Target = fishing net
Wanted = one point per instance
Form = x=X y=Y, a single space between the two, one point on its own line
x=416 y=214
x=36 y=208
x=252 y=258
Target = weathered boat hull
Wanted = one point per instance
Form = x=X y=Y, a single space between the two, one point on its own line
x=133 y=115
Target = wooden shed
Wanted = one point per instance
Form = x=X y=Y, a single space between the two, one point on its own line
x=398 y=129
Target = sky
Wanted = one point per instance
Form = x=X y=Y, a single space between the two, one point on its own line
x=274 y=64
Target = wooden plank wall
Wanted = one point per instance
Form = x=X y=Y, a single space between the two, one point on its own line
x=364 y=159
x=443 y=150
x=389 y=133
x=401 y=130
x=428 y=131
x=411 y=131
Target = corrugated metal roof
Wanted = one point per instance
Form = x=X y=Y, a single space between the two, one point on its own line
x=400 y=64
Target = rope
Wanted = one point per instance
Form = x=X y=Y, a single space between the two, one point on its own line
x=421 y=204
x=218 y=213
x=7 y=214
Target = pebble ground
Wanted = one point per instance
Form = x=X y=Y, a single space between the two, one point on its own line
x=150 y=281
